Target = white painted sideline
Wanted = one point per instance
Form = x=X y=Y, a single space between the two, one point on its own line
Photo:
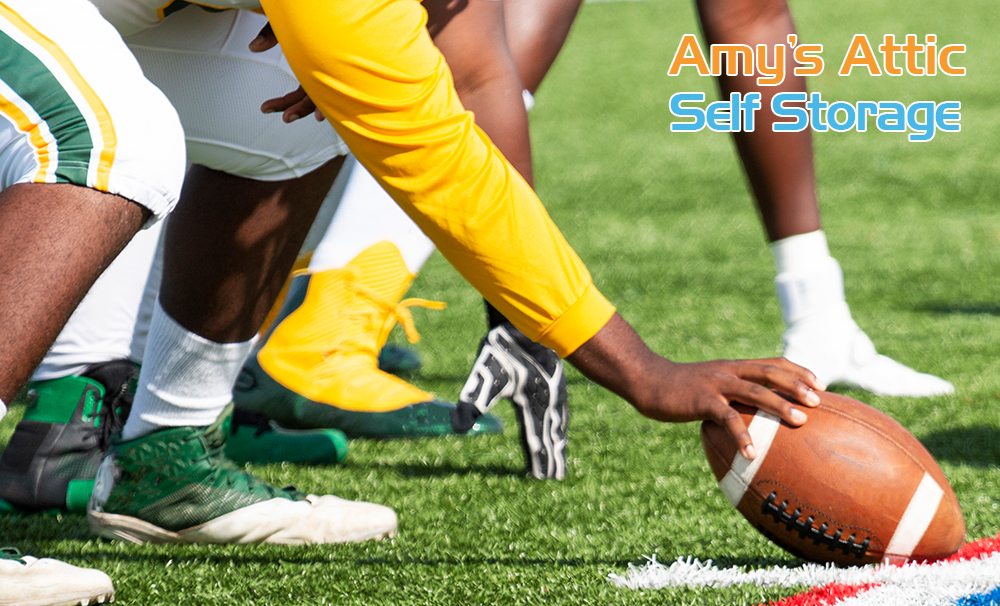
x=981 y=574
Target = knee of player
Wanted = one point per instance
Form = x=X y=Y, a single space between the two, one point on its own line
x=734 y=17
x=150 y=160
x=484 y=73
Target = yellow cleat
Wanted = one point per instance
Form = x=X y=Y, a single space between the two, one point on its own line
x=318 y=365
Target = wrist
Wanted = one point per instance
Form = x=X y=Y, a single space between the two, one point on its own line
x=648 y=380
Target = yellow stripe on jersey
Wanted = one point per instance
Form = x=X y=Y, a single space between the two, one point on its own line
x=27 y=125
x=100 y=113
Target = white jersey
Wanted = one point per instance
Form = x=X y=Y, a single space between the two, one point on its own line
x=200 y=60
x=75 y=107
x=133 y=16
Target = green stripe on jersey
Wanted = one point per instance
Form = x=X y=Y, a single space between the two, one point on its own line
x=26 y=74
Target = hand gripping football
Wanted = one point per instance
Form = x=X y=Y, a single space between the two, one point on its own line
x=851 y=486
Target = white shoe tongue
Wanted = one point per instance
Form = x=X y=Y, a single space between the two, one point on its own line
x=862 y=350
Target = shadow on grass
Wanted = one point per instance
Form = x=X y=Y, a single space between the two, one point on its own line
x=966 y=308
x=976 y=446
x=573 y=379
x=410 y=470
x=513 y=561
x=107 y=555
x=67 y=537
x=25 y=531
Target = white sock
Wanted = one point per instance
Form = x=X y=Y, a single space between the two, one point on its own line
x=186 y=380
x=150 y=297
x=809 y=280
x=367 y=216
x=822 y=336
x=801 y=252
x=3 y=410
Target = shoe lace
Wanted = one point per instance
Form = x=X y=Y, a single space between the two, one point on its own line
x=111 y=414
x=225 y=472
x=115 y=412
x=390 y=312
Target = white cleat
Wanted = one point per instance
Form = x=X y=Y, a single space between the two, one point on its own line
x=28 y=581
x=840 y=353
x=318 y=519
x=176 y=486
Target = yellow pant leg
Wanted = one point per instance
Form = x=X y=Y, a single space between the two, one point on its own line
x=372 y=69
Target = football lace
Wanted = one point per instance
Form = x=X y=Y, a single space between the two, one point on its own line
x=805 y=528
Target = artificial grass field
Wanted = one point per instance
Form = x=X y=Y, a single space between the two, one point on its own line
x=667 y=227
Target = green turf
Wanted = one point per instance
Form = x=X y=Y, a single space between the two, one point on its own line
x=666 y=225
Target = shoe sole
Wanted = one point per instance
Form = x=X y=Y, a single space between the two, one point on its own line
x=119 y=527
x=77 y=599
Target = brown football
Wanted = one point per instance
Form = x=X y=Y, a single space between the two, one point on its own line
x=851 y=486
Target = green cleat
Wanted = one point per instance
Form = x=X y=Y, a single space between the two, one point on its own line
x=317 y=365
x=53 y=456
x=258 y=393
x=253 y=438
x=175 y=486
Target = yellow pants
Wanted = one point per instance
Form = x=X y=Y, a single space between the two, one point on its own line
x=372 y=69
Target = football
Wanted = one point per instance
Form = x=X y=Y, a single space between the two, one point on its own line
x=851 y=486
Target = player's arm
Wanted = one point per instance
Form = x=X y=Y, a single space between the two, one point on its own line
x=618 y=359
x=388 y=92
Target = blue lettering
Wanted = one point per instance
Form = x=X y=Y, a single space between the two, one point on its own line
x=751 y=103
x=865 y=109
x=778 y=108
x=687 y=112
x=719 y=116
x=894 y=118
x=832 y=113
x=925 y=127
x=815 y=105
x=946 y=119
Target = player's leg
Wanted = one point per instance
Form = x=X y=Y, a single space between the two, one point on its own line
x=188 y=376
x=39 y=295
x=228 y=248
x=820 y=333
x=318 y=366
x=101 y=328
x=369 y=256
x=83 y=168
x=84 y=387
x=515 y=44
x=472 y=39
x=250 y=437
x=536 y=32
x=388 y=92
x=80 y=393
